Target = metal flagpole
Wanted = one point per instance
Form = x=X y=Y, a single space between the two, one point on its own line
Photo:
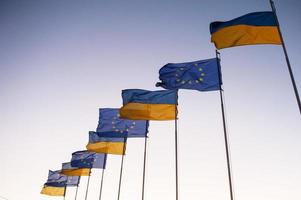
x=144 y=166
x=86 y=197
x=76 y=192
x=77 y=188
x=225 y=130
x=286 y=57
x=101 y=183
x=176 y=149
x=65 y=192
x=121 y=169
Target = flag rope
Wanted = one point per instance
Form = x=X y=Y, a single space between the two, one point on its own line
x=286 y=58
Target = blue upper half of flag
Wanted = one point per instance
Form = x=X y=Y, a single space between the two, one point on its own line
x=86 y=159
x=56 y=179
x=109 y=121
x=95 y=137
x=202 y=75
x=149 y=97
x=67 y=165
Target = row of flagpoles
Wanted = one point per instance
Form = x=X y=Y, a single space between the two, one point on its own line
x=115 y=125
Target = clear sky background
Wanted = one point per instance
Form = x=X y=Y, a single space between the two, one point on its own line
x=61 y=60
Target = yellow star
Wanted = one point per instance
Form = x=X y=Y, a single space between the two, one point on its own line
x=201 y=79
x=200 y=69
x=203 y=74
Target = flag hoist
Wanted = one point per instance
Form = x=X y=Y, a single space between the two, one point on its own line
x=160 y=105
x=252 y=29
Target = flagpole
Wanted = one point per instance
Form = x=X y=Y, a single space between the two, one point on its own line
x=225 y=129
x=176 y=150
x=144 y=166
x=101 y=183
x=286 y=57
x=77 y=188
x=65 y=192
x=86 y=197
x=121 y=169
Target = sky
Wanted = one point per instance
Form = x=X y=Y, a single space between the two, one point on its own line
x=62 y=60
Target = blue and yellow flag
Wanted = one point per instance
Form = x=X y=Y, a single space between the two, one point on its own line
x=68 y=170
x=56 y=179
x=86 y=159
x=53 y=191
x=202 y=75
x=107 y=142
x=149 y=105
x=249 y=29
x=110 y=121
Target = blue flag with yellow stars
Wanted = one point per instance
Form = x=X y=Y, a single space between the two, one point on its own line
x=110 y=121
x=86 y=159
x=56 y=179
x=202 y=75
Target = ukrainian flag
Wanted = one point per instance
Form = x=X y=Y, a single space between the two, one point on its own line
x=68 y=170
x=107 y=142
x=53 y=191
x=249 y=29
x=149 y=105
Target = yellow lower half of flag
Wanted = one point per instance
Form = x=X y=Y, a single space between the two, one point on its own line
x=107 y=147
x=53 y=191
x=140 y=111
x=240 y=35
x=76 y=172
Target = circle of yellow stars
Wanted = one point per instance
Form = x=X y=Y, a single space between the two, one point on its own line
x=200 y=79
x=133 y=124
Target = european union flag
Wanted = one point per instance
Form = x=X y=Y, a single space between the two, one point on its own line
x=202 y=75
x=110 y=121
x=56 y=179
x=86 y=159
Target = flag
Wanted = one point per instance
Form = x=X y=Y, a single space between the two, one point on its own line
x=56 y=179
x=110 y=121
x=59 y=180
x=202 y=75
x=249 y=29
x=149 y=105
x=53 y=191
x=68 y=170
x=86 y=159
x=108 y=142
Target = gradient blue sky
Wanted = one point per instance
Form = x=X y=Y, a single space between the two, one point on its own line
x=62 y=60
